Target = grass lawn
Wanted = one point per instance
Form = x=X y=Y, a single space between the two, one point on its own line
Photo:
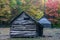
x=24 y=39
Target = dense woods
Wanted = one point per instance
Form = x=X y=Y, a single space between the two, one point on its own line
x=35 y=8
x=14 y=7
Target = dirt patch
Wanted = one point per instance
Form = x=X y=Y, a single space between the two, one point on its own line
x=4 y=33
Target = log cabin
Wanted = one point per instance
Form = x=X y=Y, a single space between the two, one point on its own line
x=24 y=25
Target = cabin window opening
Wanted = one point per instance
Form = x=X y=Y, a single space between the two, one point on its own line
x=26 y=18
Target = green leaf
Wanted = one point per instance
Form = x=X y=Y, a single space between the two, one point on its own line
x=58 y=11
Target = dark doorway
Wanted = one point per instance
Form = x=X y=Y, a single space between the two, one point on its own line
x=39 y=30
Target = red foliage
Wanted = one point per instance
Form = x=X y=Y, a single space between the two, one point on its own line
x=51 y=9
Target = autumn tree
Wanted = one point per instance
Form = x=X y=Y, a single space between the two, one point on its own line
x=52 y=11
x=5 y=12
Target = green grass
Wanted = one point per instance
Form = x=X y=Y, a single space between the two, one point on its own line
x=24 y=38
